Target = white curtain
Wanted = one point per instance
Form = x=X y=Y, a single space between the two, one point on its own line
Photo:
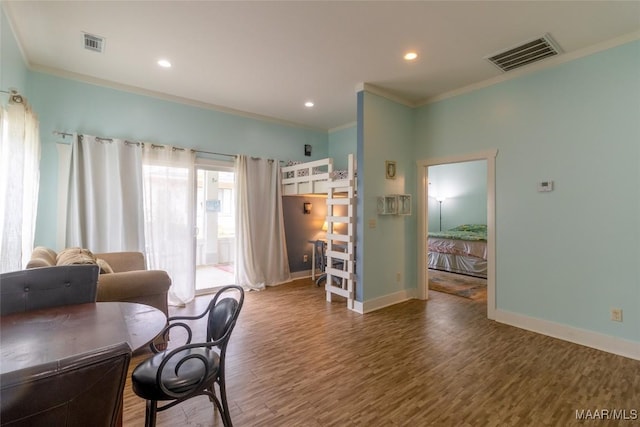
x=261 y=251
x=105 y=195
x=169 y=216
x=19 y=180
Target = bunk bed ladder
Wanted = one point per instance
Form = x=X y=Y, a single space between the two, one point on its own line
x=341 y=246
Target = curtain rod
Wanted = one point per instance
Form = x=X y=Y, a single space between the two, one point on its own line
x=65 y=134
x=14 y=96
x=214 y=153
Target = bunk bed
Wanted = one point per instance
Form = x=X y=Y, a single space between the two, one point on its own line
x=319 y=177
x=461 y=250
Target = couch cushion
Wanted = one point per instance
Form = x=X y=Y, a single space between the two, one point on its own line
x=75 y=256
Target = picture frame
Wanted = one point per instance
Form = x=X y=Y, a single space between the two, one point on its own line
x=390 y=169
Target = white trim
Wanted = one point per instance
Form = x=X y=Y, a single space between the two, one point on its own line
x=547 y=63
x=597 y=340
x=368 y=87
x=423 y=211
x=303 y=274
x=384 y=301
x=219 y=165
x=342 y=127
x=64 y=171
x=166 y=97
x=25 y=59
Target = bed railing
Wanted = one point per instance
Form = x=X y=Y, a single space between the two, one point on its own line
x=307 y=175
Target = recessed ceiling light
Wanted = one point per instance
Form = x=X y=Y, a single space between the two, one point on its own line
x=410 y=56
x=309 y=104
x=164 y=63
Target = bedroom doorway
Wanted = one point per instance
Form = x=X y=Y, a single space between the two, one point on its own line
x=215 y=228
x=430 y=203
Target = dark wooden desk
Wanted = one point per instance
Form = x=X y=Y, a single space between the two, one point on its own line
x=35 y=337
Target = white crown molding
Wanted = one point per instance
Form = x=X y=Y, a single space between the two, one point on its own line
x=342 y=127
x=165 y=97
x=10 y=20
x=368 y=87
x=551 y=62
x=599 y=341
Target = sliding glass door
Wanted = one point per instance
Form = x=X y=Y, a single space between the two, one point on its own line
x=215 y=227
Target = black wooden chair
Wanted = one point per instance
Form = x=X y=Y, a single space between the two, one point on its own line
x=192 y=369
x=46 y=287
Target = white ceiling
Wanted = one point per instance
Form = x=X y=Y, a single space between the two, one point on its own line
x=268 y=58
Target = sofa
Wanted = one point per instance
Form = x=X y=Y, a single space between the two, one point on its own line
x=123 y=275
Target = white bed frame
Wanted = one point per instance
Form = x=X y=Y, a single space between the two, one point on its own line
x=340 y=192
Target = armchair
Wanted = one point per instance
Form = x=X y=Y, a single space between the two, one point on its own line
x=126 y=280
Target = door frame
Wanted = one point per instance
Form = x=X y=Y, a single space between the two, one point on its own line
x=423 y=218
x=206 y=165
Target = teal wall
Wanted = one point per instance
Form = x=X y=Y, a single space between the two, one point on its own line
x=566 y=256
x=73 y=106
x=386 y=133
x=342 y=142
x=13 y=72
x=570 y=255
x=465 y=187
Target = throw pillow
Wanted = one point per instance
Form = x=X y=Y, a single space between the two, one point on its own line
x=105 y=268
x=71 y=256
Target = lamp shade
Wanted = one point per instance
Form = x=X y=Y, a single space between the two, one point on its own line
x=325 y=226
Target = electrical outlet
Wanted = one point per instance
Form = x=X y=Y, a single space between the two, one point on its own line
x=616 y=314
x=305 y=258
x=398 y=277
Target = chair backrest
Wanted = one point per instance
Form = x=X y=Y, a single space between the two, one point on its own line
x=45 y=287
x=85 y=389
x=320 y=246
x=223 y=313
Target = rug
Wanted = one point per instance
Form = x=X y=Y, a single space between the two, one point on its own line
x=225 y=267
x=474 y=288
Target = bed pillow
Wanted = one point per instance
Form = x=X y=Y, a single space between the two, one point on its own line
x=474 y=228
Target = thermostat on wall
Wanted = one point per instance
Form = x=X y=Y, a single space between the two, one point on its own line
x=545 y=186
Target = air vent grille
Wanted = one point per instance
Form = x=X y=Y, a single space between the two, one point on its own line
x=93 y=43
x=524 y=54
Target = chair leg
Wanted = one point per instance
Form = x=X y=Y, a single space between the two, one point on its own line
x=226 y=417
x=150 y=413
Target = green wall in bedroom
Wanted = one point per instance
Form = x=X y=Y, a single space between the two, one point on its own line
x=570 y=255
x=465 y=187
x=74 y=106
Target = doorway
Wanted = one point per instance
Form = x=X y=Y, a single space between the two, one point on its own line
x=425 y=216
x=215 y=239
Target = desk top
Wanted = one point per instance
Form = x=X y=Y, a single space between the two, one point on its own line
x=40 y=336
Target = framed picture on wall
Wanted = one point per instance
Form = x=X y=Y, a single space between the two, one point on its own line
x=390 y=169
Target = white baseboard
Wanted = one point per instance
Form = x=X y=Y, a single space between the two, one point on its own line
x=301 y=274
x=599 y=341
x=384 y=301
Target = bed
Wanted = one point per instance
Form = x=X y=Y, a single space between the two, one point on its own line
x=315 y=177
x=318 y=177
x=462 y=250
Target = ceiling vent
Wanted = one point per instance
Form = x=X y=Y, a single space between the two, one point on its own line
x=94 y=43
x=524 y=54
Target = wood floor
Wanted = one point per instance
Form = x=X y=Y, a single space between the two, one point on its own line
x=296 y=360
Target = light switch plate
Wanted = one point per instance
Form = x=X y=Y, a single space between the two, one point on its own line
x=545 y=186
